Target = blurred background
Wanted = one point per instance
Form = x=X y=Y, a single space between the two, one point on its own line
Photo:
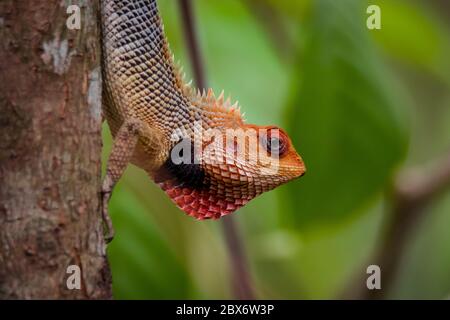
x=362 y=106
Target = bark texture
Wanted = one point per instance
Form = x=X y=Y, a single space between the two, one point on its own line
x=50 y=146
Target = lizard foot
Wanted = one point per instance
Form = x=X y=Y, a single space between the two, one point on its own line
x=109 y=229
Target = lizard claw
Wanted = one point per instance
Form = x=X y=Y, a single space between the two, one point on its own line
x=109 y=229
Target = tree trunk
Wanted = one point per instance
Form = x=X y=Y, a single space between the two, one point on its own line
x=50 y=121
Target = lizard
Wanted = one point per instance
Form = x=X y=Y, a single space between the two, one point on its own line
x=154 y=115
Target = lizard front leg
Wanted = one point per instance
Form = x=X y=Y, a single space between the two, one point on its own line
x=122 y=150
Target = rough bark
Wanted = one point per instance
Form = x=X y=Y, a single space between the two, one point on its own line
x=50 y=150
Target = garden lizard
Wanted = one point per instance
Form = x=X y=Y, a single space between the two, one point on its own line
x=156 y=119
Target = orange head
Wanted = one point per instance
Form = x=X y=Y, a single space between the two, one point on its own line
x=223 y=168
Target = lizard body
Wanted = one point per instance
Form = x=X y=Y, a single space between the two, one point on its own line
x=152 y=113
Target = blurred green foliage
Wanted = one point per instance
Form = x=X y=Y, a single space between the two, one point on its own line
x=344 y=115
x=359 y=105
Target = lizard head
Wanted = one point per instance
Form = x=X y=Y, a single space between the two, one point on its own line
x=228 y=167
x=222 y=163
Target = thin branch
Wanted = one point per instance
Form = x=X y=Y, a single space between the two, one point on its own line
x=442 y=7
x=241 y=277
x=274 y=26
x=423 y=185
x=414 y=191
x=190 y=34
x=242 y=281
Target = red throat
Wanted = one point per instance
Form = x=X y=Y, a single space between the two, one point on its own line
x=200 y=204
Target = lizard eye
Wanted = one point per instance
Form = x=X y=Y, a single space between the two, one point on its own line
x=276 y=145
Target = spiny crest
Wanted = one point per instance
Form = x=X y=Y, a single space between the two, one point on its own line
x=207 y=100
x=180 y=78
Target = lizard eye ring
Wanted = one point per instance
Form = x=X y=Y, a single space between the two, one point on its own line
x=276 y=145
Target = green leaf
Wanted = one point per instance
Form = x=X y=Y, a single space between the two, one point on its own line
x=413 y=35
x=344 y=119
x=143 y=264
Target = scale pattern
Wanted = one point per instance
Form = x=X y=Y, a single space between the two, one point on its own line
x=142 y=82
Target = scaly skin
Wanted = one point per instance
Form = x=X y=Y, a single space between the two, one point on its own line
x=150 y=110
